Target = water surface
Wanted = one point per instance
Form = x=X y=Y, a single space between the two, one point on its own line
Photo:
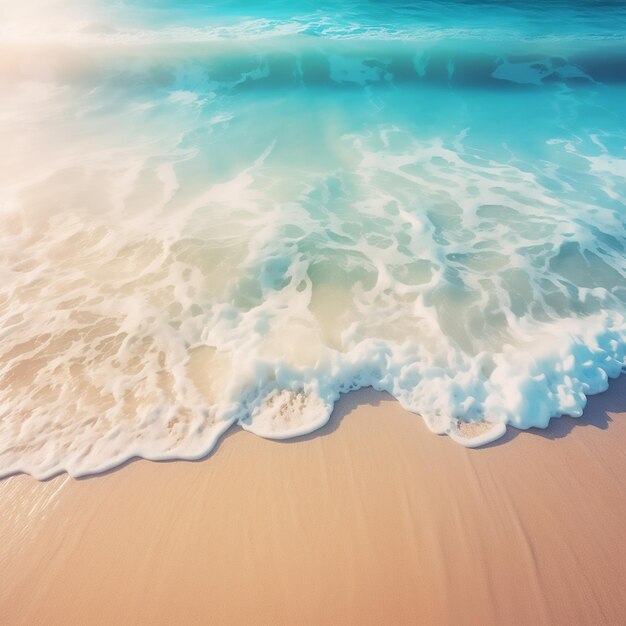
x=233 y=212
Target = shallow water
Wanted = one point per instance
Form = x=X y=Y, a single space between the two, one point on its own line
x=234 y=212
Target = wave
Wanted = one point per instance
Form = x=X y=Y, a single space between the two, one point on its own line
x=294 y=62
x=160 y=20
x=148 y=308
x=200 y=234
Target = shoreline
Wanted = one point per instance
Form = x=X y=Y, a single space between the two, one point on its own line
x=371 y=519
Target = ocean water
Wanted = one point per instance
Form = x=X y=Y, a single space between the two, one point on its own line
x=232 y=212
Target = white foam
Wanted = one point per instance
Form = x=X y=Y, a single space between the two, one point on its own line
x=169 y=269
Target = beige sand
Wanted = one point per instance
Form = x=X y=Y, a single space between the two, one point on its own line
x=372 y=521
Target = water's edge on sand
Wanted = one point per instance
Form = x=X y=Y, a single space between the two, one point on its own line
x=370 y=520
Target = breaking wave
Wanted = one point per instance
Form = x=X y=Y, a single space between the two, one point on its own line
x=195 y=234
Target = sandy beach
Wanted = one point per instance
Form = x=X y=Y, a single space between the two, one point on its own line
x=373 y=520
x=218 y=217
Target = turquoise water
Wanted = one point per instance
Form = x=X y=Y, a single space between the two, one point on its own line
x=219 y=213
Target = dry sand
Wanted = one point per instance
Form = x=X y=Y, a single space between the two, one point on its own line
x=373 y=520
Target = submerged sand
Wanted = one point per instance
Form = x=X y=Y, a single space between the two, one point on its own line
x=372 y=520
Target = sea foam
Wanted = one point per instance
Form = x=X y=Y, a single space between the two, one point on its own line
x=236 y=230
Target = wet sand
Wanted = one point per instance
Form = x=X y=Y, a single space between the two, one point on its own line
x=373 y=520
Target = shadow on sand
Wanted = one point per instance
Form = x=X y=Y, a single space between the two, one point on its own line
x=596 y=414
